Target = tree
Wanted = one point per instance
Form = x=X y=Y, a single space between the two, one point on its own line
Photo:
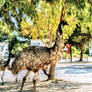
x=12 y=12
x=6 y=35
x=82 y=33
x=79 y=39
x=80 y=12
x=16 y=10
x=48 y=19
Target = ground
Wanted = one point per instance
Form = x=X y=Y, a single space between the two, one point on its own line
x=69 y=77
x=48 y=86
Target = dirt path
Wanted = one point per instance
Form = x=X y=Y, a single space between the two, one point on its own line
x=48 y=86
x=76 y=77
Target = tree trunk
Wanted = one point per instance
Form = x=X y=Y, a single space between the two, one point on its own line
x=81 y=54
x=53 y=65
x=50 y=37
x=71 y=53
x=52 y=71
x=11 y=45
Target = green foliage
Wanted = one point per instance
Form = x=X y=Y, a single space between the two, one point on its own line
x=86 y=51
x=80 y=10
x=17 y=9
x=47 y=21
x=78 y=38
x=48 y=18
x=4 y=31
x=2 y=3
x=18 y=47
x=75 y=52
x=51 y=1
x=44 y=16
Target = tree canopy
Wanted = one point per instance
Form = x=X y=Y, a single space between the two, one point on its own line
x=39 y=18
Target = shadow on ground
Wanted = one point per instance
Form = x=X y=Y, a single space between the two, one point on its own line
x=47 y=86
